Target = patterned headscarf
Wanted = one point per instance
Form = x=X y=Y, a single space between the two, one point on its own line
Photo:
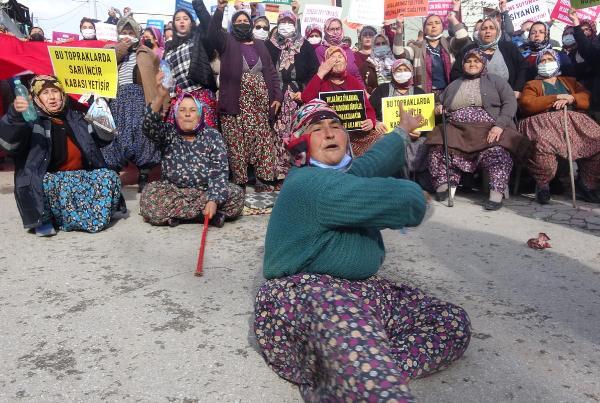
x=494 y=43
x=407 y=63
x=289 y=47
x=538 y=46
x=123 y=22
x=312 y=28
x=39 y=84
x=554 y=54
x=382 y=62
x=333 y=39
x=590 y=24
x=477 y=53
x=199 y=104
x=299 y=141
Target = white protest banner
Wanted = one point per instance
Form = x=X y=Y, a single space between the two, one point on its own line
x=366 y=12
x=521 y=11
x=106 y=32
x=318 y=14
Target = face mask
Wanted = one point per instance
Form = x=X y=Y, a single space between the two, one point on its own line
x=242 y=32
x=88 y=33
x=148 y=43
x=132 y=38
x=286 y=30
x=315 y=40
x=380 y=51
x=37 y=37
x=434 y=38
x=546 y=69
x=402 y=76
x=260 y=34
x=568 y=40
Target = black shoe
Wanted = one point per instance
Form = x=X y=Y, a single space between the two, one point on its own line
x=122 y=206
x=218 y=220
x=542 y=196
x=585 y=194
x=142 y=182
x=173 y=222
x=492 y=205
x=441 y=196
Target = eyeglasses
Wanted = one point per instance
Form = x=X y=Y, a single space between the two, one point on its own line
x=261 y=27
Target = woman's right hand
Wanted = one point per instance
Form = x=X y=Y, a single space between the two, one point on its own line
x=574 y=17
x=21 y=104
x=161 y=91
x=325 y=68
x=221 y=4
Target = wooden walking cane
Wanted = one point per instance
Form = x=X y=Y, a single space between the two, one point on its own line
x=198 y=272
x=570 y=155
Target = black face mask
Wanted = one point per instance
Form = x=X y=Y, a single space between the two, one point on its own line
x=242 y=32
x=148 y=43
x=37 y=37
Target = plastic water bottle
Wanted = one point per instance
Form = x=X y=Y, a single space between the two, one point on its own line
x=30 y=114
x=167 y=80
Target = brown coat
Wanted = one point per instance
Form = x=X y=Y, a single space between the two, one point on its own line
x=146 y=69
x=533 y=100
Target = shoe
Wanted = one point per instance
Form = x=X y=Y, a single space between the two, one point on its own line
x=542 y=195
x=441 y=196
x=122 y=206
x=173 y=222
x=585 y=194
x=218 y=220
x=45 y=230
x=142 y=182
x=492 y=205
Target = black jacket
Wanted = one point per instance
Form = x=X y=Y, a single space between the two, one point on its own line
x=306 y=65
x=590 y=51
x=383 y=91
x=516 y=64
x=31 y=145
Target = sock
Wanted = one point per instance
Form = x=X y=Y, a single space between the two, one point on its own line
x=496 y=196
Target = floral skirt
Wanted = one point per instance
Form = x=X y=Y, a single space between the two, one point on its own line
x=343 y=340
x=81 y=200
x=208 y=98
x=361 y=141
x=130 y=144
x=250 y=140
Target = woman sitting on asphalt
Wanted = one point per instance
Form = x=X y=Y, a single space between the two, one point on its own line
x=60 y=175
x=194 y=166
x=542 y=102
x=481 y=131
x=324 y=320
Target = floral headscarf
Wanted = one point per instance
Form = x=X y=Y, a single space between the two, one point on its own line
x=494 y=43
x=333 y=39
x=554 y=54
x=299 y=141
x=312 y=28
x=475 y=52
x=382 y=62
x=289 y=47
x=199 y=104
x=407 y=63
x=590 y=24
x=39 y=84
x=539 y=46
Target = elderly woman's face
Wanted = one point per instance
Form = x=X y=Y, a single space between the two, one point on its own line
x=473 y=65
x=547 y=58
x=403 y=68
x=340 y=62
x=587 y=30
x=434 y=26
x=488 y=32
x=187 y=115
x=334 y=28
x=182 y=23
x=51 y=99
x=328 y=141
x=537 y=33
x=241 y=19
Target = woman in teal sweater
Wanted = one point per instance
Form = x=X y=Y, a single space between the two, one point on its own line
x=323 y=320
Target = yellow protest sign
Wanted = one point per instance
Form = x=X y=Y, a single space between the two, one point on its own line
x=85 y=70
x=422 y=104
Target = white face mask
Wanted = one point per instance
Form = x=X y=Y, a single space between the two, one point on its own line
x=402 y=76
x=88 y=33
x=546 y=69
x=132 y=38
x=568 y=40
x=260 y=33
x=315 y=40
x=286 y=29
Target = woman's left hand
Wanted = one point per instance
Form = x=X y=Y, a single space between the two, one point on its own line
x=275 y=107
x=366 y=125
x=380 y=128
x=494 y=134
x=210 y=209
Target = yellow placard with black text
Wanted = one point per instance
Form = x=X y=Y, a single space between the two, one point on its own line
x=85 y=70
x=423 y=104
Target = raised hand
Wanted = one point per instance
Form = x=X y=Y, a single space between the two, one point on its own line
x=21 y=104
x=573 y=17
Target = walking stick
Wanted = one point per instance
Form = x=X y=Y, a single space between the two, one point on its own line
x=570 y=155
x=446 y=157
x=198 y=272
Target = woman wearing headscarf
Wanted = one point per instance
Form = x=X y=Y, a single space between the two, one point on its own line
x=481 y=132
x=61 y=178
x=377 y=68
x=537 y=42
x=323 y=319
x=261 y=28
x=194 y=166
x=249 y=96
x=189 y=55
x=153 y=39
x=433 y=58
x=296 y=61
x=334 y=34
x=542 y=101
x=314 y=35
x=504 y=58
x=366 y=37
x=334 y=76
x=137 y=65
x=87 y=27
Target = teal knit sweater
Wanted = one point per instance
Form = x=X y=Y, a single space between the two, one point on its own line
x=329 y=222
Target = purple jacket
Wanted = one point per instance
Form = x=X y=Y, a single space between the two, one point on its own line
x=231 y=67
